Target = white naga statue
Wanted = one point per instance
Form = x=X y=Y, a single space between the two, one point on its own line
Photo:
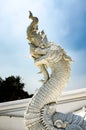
x=41 y=112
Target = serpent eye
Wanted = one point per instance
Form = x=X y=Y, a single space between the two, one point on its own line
x=58 y=123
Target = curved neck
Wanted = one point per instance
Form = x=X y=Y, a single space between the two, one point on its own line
x=62 y=65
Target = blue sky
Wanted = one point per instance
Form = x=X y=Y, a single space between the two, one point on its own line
x=64 y=22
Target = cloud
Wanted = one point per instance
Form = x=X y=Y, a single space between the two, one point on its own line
x=79 y=66
x=78 y=70
x=63 y=22
x=76 y=82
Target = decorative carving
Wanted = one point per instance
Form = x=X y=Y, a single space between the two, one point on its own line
x=41 y=112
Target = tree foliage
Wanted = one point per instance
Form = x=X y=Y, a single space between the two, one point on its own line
x=12 y=89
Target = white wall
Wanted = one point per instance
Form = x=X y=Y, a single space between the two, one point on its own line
x=11 y=123
x=11 y=113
